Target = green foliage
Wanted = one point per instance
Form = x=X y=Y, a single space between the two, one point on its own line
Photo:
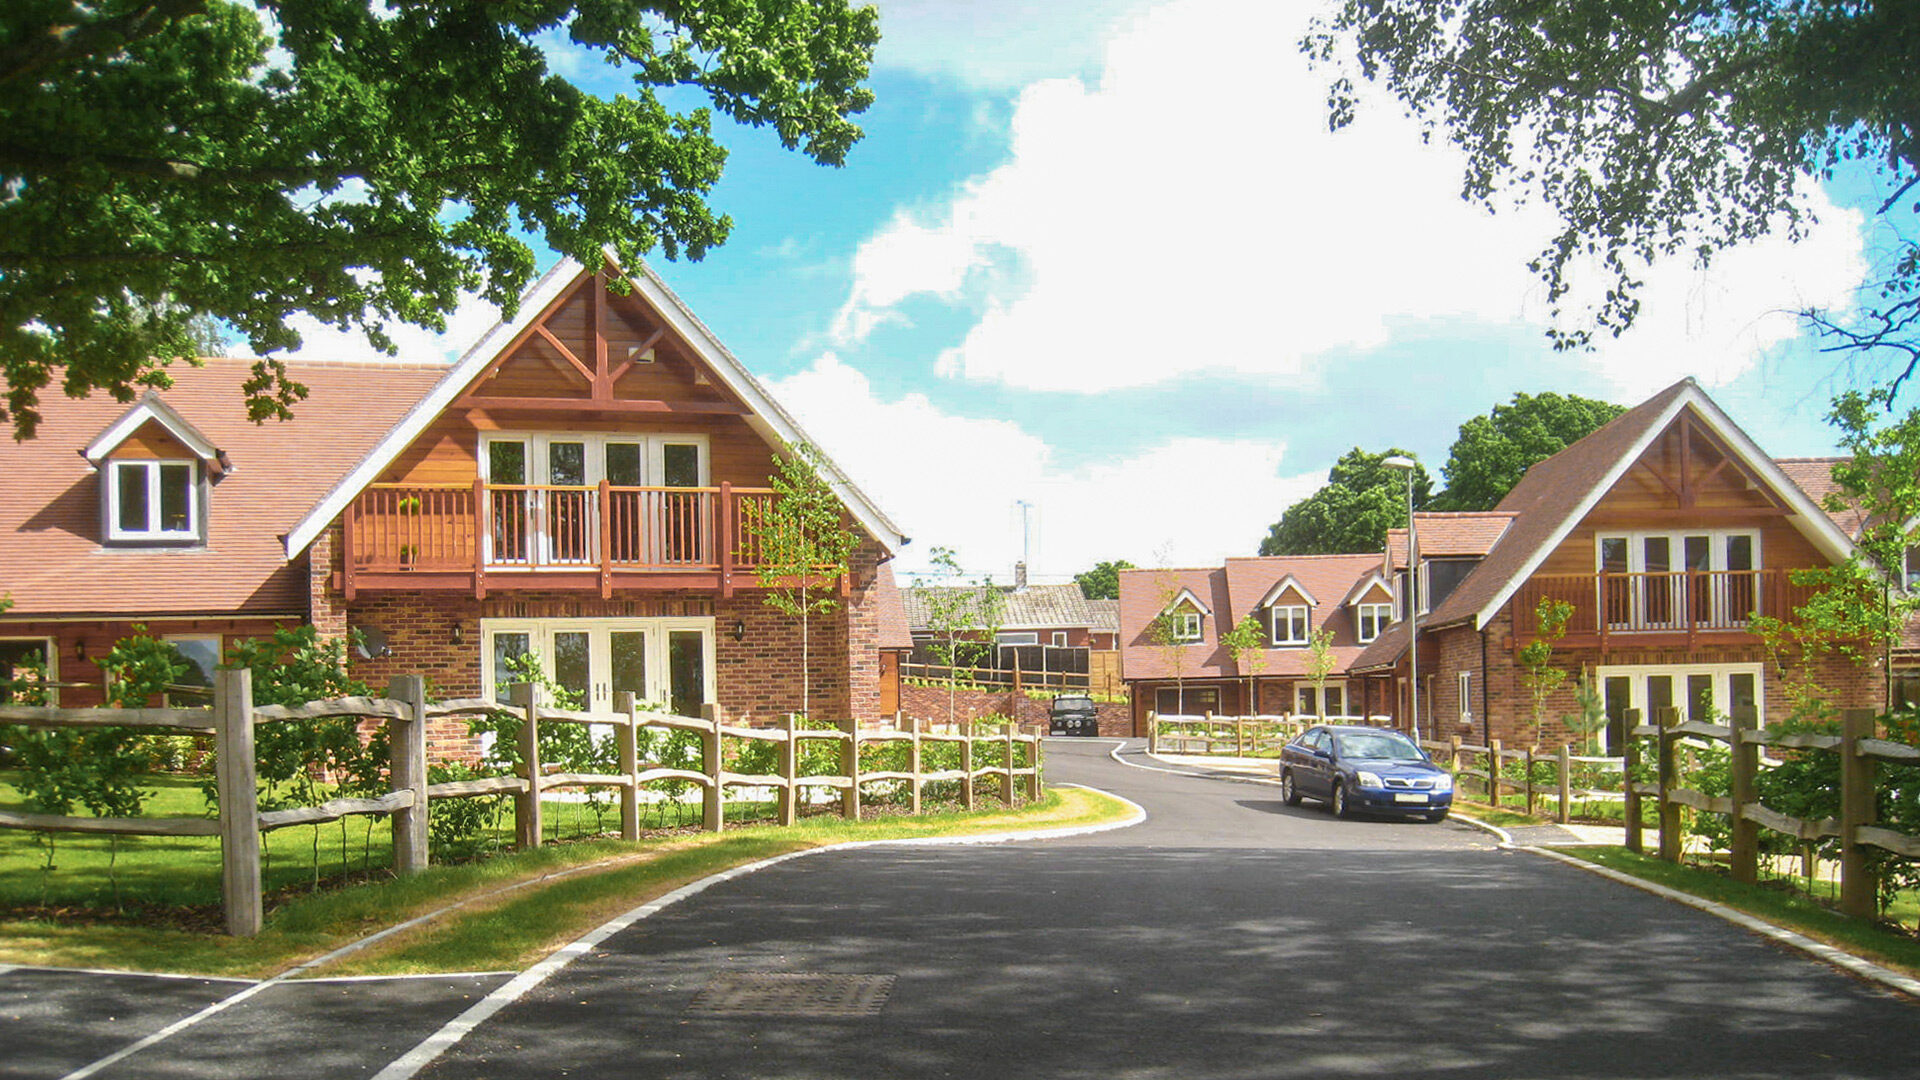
x=1539 y=676
x=362 y=163
x=1352 y=513
x=292 y=667
x=1494 y=451
x=1712 y=120
x=964 y=621
x=1320 y=662
x=1103 y=581
x=1590 y=712
x=462 y=828
x=804 y=545
x=1247 y=640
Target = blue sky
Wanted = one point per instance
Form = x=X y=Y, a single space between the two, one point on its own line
x=1064 y=270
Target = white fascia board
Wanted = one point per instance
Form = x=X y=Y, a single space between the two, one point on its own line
x=1187 y=596
x=149 y=407
x=429 y=407
x=1363 y=586
x=1811 y=521
x=1280 y=587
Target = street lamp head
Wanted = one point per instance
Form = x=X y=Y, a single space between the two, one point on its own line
x=1398 y=461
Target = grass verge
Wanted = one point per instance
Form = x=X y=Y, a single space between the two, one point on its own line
x=1791 y=909
x=568 y=889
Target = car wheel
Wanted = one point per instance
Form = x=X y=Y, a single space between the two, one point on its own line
x=1338 y=804
x=1435 y=819
x=1288 y=793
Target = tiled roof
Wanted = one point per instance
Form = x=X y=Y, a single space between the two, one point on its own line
x=1815 y=477
x=51 y=559
x=1036 y=607
x=894 y=632
x=1451 y=533
x=1234 y=591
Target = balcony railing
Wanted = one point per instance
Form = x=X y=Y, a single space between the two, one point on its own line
x=490 y=528
x=1690 y=602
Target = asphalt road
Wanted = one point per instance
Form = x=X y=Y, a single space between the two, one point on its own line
x=1227 y=936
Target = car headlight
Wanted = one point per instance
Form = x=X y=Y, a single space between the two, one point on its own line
x=1443 y=783
x=1367 y=779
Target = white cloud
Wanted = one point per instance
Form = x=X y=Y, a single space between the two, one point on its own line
x=1164 y=224
x=952 y=481
x=467 y=322
x=996 y=44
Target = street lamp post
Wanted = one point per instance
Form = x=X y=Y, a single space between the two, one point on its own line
x=1406 y=465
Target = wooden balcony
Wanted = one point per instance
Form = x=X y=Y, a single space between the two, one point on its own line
x=1682 y=607
x=546 y=536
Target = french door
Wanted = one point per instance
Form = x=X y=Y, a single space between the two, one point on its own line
x=1657 y=581
x=544 y=498
x=1700 y=691
x=667 y=661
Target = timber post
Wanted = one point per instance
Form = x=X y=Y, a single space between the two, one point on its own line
x=1033 y=759
x=1668 y=778
x=1493 y=773
x=627 y=740
x=1629 y=772
x=1566 y=784
x=239 y=803
x=407 y=745
x=914 y=762
x=713 y=799
x=1744 y=766
x=1006 y=778
x=527 y=825
x=790 y=773
x=966 y=763
x=1859 y=891
x=1153 y=732
x=850 y=765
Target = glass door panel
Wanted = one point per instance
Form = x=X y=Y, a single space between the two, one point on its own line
x=508 y=647
x=1333 y=703
x=680 y=517
x=511 y=511
x=1700 y=698
x=1700 y=587
x=1618 y=691
x=1618 y=588
x=1657 y=557
x=568 y=507
x=1743 y=582
x=686 y=672
x=628 y=663
x=1742 y=693
x=625 y=509
x=573 y=667
x=1659 y=696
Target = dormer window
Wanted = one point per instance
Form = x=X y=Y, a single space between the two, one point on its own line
x=1290 y=624
x=1371 y=619
x=152 y=500
x=1185 y=626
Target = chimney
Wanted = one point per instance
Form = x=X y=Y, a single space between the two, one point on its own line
x=1020 y=577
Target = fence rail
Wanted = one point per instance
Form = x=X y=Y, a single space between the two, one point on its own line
x=1010 y=756
x=1238 y=735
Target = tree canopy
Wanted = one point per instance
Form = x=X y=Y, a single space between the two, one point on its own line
x=1494 y=451
x=1362 y=500
x=1103 y=581
x=362 y=162
x=1657 y=128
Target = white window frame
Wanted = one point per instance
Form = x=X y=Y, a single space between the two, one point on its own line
x=652 y=453
x=1185 y=626
x=50 y=650
x=1642 y=606
x=659 y=688
x=1017 y=637
x=1380 y=614
x=219 y=651
x=1290 y=615
x=1305 y=692
x=1722 y=687
x=1059 y=639
x=1465 y=682
x=152 y=468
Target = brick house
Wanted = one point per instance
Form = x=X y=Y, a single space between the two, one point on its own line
x=576 y=485
x=1291 y=596
x=1666 y=530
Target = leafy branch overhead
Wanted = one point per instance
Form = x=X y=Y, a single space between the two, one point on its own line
x=363 y=163
x=1658 y=129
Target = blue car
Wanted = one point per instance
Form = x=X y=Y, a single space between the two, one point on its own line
x=1364 y=770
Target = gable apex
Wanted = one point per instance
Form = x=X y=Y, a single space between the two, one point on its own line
x=152 y=409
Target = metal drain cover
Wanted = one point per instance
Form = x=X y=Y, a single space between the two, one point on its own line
x=791 y=994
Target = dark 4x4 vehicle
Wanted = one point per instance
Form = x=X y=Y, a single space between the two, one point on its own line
x=1073 y=714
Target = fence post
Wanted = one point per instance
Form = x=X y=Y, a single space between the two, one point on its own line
x=713 y=800
x=1493 y=773
x=1859 y=892
x=1629 y=767
x=1239 y=736
x=915 y=763
x=1153 y=732
x=1742 y=769
x=1033 y=759
x=527 y=825
x=966 y=763
x=627 y=740
x=1566 y=783
x=1668 y=778
x=239 y=802
x=850 y=765
x=790 y=771
x=1006 y=778
x=407 y=745
x=1453 y=757
x=1528 y=774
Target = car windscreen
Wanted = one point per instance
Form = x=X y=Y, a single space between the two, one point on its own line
x=1381 y=747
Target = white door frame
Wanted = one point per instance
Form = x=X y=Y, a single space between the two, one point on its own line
x=540 y=634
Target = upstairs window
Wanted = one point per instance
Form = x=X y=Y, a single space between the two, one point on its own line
x=1290 y=624
x=1372 y=619
x=1185 y=625
x=152 y=500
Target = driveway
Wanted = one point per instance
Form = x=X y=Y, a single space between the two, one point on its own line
x=1227 y=936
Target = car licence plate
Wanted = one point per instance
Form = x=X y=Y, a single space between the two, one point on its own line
x=1400 y=796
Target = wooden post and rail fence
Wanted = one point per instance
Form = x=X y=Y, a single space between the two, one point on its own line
x=1237 y=735
x=233 y=716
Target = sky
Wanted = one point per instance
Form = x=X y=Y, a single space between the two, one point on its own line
x=1100 y=284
